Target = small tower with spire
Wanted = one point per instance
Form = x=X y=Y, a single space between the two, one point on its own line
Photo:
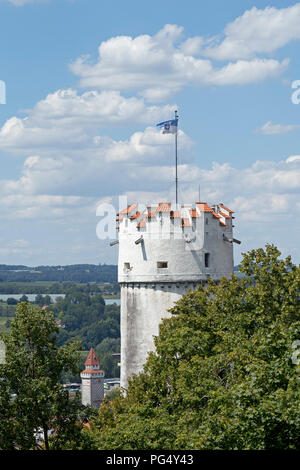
x=92 y=388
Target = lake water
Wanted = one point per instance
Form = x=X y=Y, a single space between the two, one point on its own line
x=112 y=301
x=31 y=298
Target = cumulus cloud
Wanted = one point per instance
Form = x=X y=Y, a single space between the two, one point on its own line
x=272 y=129
x=69 y=164
x=64 y=189
x=159 y=65
x=106 y=166
x=70 y=161
x=293 y=158
x=265 y=198
x=257 y=31
x=65 y=119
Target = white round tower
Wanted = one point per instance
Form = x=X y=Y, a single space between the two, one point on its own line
x=163 y=253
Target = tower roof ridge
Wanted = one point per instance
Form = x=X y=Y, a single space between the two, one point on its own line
x=203 y=207
x=92 y=359
x=163 y=207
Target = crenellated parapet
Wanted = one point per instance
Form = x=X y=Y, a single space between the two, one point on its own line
x=135 y=219
x=163 y=244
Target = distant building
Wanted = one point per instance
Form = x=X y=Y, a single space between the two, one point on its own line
x=110 y=384
x=92 y=378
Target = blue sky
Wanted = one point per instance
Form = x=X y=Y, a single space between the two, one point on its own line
x=86 y=82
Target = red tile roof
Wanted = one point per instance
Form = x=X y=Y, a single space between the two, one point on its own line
x=163 y=207
x=136 y=215
x=224 y=215
x=194 y=213
x=141 y=224
x=92 y=371
x=129 y=209
x=151 y=213
x=166 y=208
x=175 y=214
x=203 y=207
x=226 y=208
x=185 y=222
x=92 y=359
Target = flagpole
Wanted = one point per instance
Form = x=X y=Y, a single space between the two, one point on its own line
x=176 y=160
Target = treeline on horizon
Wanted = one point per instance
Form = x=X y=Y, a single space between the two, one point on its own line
x=82 y=273
x=74 y=273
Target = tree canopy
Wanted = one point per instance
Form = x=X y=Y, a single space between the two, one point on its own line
x=222 y=375
x=32 y=399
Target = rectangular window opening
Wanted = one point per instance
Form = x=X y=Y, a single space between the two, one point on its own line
x=126 y=265
x=162 y=264
x=206 y=260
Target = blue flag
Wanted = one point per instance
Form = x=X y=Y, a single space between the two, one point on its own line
x=168 y=127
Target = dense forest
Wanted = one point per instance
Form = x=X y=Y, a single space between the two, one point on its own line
x=82 y=316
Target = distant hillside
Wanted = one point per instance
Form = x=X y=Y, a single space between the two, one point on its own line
x=75 y=273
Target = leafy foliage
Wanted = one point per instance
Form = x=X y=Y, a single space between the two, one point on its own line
x=31 y=396
x=222 y=376
x=84 y=317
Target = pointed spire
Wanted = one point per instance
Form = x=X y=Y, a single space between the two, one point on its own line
x=92 y=359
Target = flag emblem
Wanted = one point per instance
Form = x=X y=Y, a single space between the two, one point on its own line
x=168 y=127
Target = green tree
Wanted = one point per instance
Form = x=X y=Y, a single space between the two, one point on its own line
x=222 y=376
x=30 y=389
x=39 y=300
x=104 y=352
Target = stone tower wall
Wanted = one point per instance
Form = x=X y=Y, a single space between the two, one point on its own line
x=92 y=389
x=162 y=255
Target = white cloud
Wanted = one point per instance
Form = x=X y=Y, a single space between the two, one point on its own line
x=264 y=196
x=272 y=129
x=243 y=71
x=70 y=162
x=63 y=191
x=69 y=165
x=66 y=119
x=107 y=166
x=258 y=31
x=158 y=66
x=293 y=158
